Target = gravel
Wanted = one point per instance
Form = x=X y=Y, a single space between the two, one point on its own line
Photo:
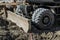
x=10 y=31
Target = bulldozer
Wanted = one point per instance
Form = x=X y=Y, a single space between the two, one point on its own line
x=42 y=14
x=45 y=13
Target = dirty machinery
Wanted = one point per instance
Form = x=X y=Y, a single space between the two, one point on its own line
x=44 y=13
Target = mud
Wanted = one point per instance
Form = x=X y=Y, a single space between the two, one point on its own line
x=10 y=31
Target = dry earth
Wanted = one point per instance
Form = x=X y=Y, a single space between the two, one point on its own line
x=10 y=31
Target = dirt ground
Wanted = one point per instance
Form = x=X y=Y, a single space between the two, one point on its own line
x=10 y=31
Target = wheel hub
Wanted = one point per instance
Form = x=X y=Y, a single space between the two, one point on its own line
x=45 y=20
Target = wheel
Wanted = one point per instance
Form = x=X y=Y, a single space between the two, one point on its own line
x=44 y=18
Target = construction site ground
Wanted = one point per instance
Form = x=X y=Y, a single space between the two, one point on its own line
x=10 y=31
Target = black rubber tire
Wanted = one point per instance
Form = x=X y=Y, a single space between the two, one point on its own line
x=38 y=16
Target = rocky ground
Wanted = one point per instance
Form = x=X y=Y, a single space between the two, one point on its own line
x=10 y=31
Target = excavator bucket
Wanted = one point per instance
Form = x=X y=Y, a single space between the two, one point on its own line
x=19 y=20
